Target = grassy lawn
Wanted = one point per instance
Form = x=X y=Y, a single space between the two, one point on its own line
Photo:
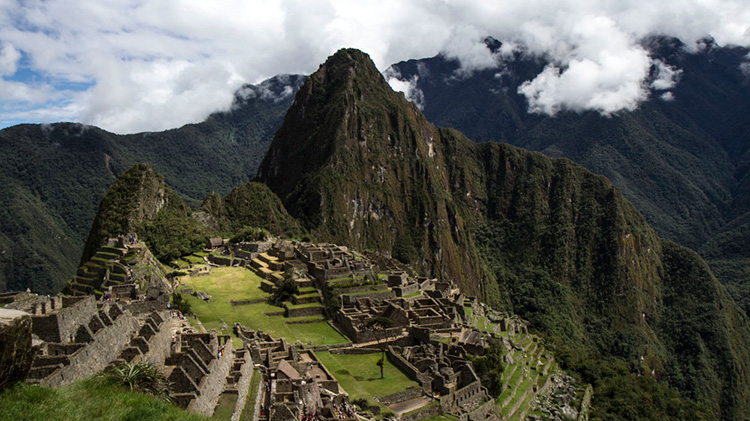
x=377 y=291
x=252 y=394
x=443 y=418
x=413 y=294
x=87 y=399
x=239 y=284
x=225 y=407
x=359 y=375
x=196 y=260
x=291 y=305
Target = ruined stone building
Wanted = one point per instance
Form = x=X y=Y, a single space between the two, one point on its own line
x=295 y=383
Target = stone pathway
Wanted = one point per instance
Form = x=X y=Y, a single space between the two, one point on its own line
x=410 y=405
x=200 y=325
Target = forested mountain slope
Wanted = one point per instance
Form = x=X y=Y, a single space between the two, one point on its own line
x=54 y=175
x=544 y=238
x=683 y=162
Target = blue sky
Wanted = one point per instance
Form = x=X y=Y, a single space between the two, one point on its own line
x=131 y=65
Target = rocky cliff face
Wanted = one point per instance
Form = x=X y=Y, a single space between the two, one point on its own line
x=359 y=165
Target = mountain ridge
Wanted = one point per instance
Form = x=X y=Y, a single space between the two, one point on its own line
x=65 y=168
x=542 y=237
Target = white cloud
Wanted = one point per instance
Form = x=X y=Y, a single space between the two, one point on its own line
x=466 y=44
x=9 y=57
x=666 y=76
x=745 y=67
x=160 y=64
x=408 y=87
x=603 y=71
x=667 y=97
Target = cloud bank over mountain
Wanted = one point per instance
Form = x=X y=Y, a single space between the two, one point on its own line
x=131 y=66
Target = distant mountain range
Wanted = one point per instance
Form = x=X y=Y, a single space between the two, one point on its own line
x=683 y=163
x=53 y=176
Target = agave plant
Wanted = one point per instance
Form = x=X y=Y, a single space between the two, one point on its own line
x=141 y=377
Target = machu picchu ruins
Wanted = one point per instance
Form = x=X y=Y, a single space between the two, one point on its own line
x=432 y=335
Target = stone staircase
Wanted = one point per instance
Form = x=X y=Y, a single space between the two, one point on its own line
x=101 y=271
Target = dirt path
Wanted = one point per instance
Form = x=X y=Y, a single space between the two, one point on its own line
x=410 y=405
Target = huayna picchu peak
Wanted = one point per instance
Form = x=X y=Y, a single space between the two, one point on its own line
x=544 y=238
x=381 y=267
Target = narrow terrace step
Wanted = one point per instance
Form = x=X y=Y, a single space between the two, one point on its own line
x=306 y=298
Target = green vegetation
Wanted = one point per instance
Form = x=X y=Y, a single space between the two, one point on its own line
x=225 y=407
x=252 y=395
x=284 y=292
x=139 y=202
x=180 y=304
x=359 y=375
x=489 y=368
x=140 y=377
x=249 y=212
x=239 y=284
x=54 y=175
x=89 y=399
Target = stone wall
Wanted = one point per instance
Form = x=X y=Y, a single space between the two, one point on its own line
x=16 y=353
x=583 y=414
x=106 y=345
x=247 y=302
x=243 y=387
x=408 y=368
x=428 y=411
x=405 y=395
x=140 y=307
x=350 y=300
x=159 y=345
x=62 y=325
x=484 y=412
x=406 y=289
x=212 y=384
x=472 y=395
x=304 y=311
x=220 y=260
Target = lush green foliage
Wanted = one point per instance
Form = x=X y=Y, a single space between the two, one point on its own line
x=180 y=304
x=250 y=211
x=240 y=284
x=284 y=291
x=140 y=377
x=489 y=368
x=250 y=234
x=173 y=232
x=139 y=202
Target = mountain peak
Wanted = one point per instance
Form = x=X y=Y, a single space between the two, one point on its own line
x=361 y=166
x=342 y=106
